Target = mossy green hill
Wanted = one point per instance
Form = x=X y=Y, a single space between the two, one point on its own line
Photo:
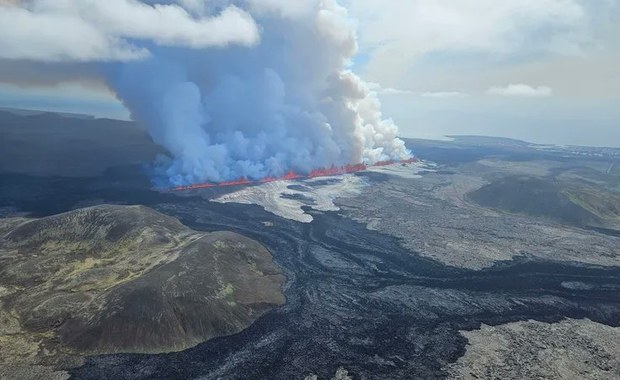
x=110 y=279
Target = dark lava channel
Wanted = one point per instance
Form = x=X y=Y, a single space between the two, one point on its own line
x=355 y=298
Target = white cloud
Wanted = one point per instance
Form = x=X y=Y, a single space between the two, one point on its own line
x=193 y=6
x=394 y=91
x=284 y=8
x=397 y=35
x=390 y=91
x=521 y=90
x=87 y=30
x=443 y=94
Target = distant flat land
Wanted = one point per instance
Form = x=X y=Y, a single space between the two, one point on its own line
x=47 y=144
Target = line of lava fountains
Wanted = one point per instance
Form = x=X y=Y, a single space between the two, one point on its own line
x=291 y=175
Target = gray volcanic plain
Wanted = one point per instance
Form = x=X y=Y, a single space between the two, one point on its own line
x=491 y=258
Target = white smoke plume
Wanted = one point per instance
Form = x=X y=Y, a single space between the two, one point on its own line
x=240 y=105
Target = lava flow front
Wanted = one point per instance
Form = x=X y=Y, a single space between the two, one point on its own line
x=291 y=175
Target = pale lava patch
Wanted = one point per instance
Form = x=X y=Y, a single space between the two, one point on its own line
x=286 y=198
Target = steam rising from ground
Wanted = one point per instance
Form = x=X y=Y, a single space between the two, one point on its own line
x=288 y=102
x=231 y=88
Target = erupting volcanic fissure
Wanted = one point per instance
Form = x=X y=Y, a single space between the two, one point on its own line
x=291 y=175
x=284 y=99
x=252 y=89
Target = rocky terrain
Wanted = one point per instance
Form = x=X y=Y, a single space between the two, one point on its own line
x=471 y=214
x=392 y=273
x=111 y=279
x=475 y=214
x=460 y=219
x=570 y=349
x=341 y=374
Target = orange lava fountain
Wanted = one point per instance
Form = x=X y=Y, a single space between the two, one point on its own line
x=291 y=175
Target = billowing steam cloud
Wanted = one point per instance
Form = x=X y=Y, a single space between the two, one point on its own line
x=247 y=106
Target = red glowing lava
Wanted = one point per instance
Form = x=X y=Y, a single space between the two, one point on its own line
x=385 y=163
x=291 y=175
x=321 y=172
x=268 y=179
x=242 y=181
